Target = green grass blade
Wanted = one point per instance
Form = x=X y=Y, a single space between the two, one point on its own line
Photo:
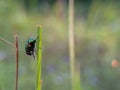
x=39 y=57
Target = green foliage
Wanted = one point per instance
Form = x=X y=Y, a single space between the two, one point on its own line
x=97 y=43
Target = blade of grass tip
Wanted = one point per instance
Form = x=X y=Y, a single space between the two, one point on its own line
x=39 y=57
x=17 y=56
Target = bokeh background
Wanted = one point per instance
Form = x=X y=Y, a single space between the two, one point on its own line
x=97 y=43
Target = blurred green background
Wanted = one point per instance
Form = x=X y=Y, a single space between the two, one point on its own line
x=97 y=43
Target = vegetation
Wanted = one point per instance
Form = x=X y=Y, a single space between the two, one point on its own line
x=97 y=43
x=39 y=58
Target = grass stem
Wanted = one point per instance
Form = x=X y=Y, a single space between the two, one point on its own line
x=75 y=76
x=39 y=57
x=17 y=56
x=71 y=43
x=7 y=42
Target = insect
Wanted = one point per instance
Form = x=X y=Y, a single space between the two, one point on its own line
x=30 y=46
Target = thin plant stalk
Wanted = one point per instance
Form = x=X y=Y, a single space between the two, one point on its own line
x=17 y=56
x=75 y=76
x=7 y=42
x=39 y=57
x=71 y=43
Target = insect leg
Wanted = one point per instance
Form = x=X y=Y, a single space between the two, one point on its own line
x=33 y=55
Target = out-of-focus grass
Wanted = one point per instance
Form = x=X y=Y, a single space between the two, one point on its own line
x=97 y=42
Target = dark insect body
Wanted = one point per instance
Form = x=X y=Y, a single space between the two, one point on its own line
x=30 y=46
